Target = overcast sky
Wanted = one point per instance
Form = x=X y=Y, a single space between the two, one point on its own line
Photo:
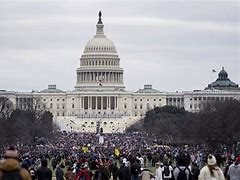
x=173 y=45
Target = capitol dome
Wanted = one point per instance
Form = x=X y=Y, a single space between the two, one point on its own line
x=100 y=44
x=100 y=64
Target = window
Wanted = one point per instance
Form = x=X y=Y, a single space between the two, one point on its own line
x=154 y=99
x=72 y=105
x=51 y=105
x=44 y=99
x=50 y=99
x=159 y=99
x=57 y=99
x=141 y=106
x=135 y=106
x=73 y=99
x=57 y=106
x=140 y=99
x=190 y=106
x=135 y=99
x=125 y=106
x=57 y=114
x=63 y=114
x=63 y=106
x=63 y=100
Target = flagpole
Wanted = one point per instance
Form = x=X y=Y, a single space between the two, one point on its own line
x=213 y=71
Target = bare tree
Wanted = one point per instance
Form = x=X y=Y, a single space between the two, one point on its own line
x=6 y=108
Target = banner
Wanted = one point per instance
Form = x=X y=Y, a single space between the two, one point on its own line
x=101 y=140
x=116 y=152
x=85 y=149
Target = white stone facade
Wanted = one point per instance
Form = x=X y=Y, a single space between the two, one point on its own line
x=100 y=94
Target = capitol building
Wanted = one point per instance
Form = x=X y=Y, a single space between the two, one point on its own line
x=101 y=99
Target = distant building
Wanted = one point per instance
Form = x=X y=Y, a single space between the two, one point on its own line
x=223 y=82
x=100 y=98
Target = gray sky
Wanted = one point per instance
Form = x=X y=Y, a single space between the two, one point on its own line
x=172 y=45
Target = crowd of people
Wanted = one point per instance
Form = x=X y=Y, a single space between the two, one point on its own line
x=129 y=156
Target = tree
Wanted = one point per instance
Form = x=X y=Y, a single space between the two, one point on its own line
x=165 y=123
x=219 y=123
x=216 y=124
x=6 y=108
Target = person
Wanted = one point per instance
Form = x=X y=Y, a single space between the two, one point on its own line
x=104 y=172
x=135 y=170
x=146 y=174
x=83 y=173
x=211 y=171
x=181 y=171
x=59 y=172
x=10 y=167
x=158 y=172
x=123 y=172
x=44 y=173
x=68 y=174
x=114 y=171
x=167 y=171
x=234 y=170
x=32 y=173
x=195 y=171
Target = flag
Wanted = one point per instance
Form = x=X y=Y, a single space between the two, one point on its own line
x=85 y=149
x=116 y=152
x=213 y=70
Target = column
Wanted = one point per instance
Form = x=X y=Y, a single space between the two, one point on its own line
x=101 y=102
x=104 y=76
x=115 y=102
